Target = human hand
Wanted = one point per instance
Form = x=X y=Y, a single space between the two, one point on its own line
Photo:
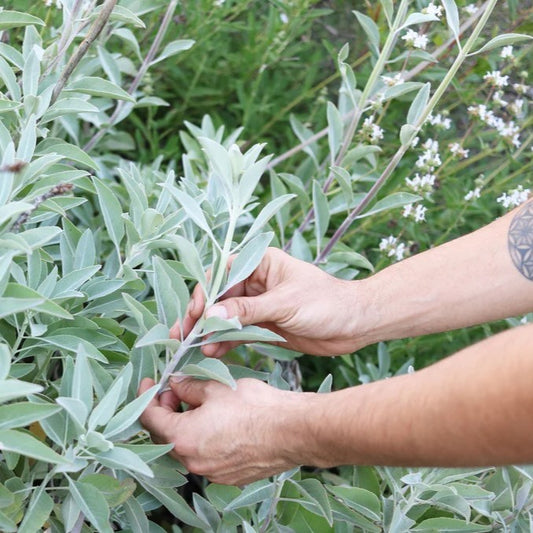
x=230 y=436
x=313 y=311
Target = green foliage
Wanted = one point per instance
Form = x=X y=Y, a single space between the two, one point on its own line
x=108 y=218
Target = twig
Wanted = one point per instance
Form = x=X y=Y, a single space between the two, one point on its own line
x=167 y=18
x=58 y=190
x=94 y=32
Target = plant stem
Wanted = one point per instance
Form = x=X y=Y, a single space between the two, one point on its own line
x=216 y=284
x=167 y=18
x=94 y=32
x=459 y=60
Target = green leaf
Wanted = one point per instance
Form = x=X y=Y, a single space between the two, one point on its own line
x=335 y=129
x=394 y=200
x=23 y=443
x=130 y=413
x=76 y=409
x=8 y=105
x=325 y=386
x=171 y=293
x=315 y=491
x=37 y=512
x=5 y=362
x=16 y=19
x=124 y=459
x=407 y=134
x=352 y=258
x=175 y=504
x=219 y=158
x=502 y=40
x=157 y=335
x=445 y=525
x=30 y=74
x=22 y=414
x=107 y=406
x=401 y=89
x=173 y=48
x=190 y=258
x=114 y=491
x=28 y=140
x=13 y=388
x=16 y=291
x=252 y=494
x=247 y=334
x=111 y=211
x=452 y=16
x=215 y=323
x=92 y=504
x=135 y=516
x=370 y=28
x=418 y=18
x=192 y=208
x=248 y=259
x=82 y=382
x=361 y=500
x=68 y=106
x=13 y=209
x=322 y=213
x=99 y=87
x=419 y=104
x=267 y=213
x=68 y=151
x=210 y=369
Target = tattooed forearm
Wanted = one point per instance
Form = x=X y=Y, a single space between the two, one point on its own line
x=520 y=240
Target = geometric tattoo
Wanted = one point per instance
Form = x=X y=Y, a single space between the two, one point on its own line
x=520 y=240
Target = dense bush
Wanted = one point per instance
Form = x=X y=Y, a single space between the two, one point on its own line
x=118 y=191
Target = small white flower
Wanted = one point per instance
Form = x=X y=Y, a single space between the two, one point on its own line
x=507 y=52
x=422 y=184
x=391 y=81
x=284 y=18
x=371 y=130
x=434 y=10
x=496 y=79
x=440 y=121
x=473 y=194
x=415 y=141
x=416 y=212
x=498 y=100
x=457 y=150
x=392 y=247
x=471 y=9
x=516 y=107
x=218 y=3
x=430 y=158
x=415 y=40
x=521 y=88
x=514 y=197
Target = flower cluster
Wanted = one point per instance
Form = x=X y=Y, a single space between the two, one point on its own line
x=508 y=130
x=423 y=185
x=430 y=157
x=458 y=151
x=392 y=247
x=473 y=194
x=496 y=79
x=417 y=212
x=441 y=122
x=415 y=40
x=391 y=81
x=514 y=197
x=370 y=131
x=471 y=9
x=432 y=9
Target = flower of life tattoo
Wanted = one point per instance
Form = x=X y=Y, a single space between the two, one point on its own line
x=520 y=240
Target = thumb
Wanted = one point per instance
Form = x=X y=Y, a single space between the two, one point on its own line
x=190 y=390
x=248 y=309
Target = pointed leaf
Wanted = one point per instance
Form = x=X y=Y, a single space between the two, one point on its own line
x=210 y=369
x=20 y=442
x=92 y=504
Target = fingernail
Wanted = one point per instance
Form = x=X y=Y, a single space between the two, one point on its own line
x=177 y=377
x=217 y=310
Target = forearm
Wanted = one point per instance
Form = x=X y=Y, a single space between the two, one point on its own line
x=474 y=408
x=467 y=281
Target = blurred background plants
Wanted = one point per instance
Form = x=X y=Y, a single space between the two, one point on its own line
x=101 y=240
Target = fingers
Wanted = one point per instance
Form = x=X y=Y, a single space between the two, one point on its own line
x=249 y=310
x=194 y=311
x=157 y=419
x=193 y=391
